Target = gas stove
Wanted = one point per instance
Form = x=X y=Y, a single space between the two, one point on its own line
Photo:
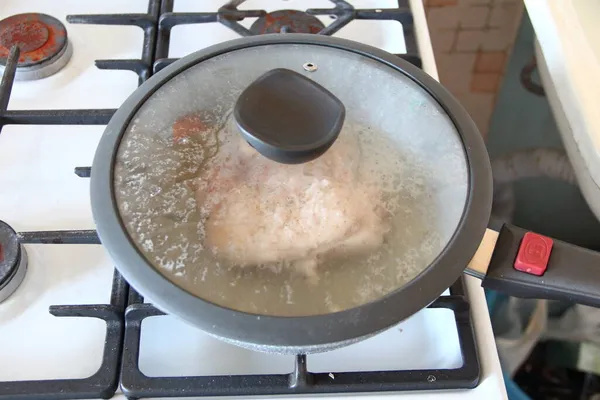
x=55 y=98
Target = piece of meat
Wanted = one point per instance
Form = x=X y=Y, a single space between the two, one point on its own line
x=262 y=212
x=256 y=225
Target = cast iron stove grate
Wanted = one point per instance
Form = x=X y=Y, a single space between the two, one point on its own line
x=137 y=385
x=126 y=310
x=103 y=383
x=230 y=16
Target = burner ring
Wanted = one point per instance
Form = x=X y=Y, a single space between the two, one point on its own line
x=13 y=261
x=28 y=35
x=45 y=69
x=40 y=38
x=287 y=21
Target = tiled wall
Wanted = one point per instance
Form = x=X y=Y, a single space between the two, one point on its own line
x=472 y=40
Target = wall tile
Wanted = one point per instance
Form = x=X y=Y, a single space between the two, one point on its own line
x=469 y=40
x=443 y=40
x=502 y=15
x=441 y=3
x=443 y=18
x=496 y=40
x=480 y=107
x=474 y=17
x=490 y=61
x=455 y=71
x=485 y=82
x=475 y=2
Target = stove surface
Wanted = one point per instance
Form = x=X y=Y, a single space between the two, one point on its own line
x=39 y=192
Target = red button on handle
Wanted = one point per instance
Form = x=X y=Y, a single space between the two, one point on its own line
x=533 y=254
x=568 y=273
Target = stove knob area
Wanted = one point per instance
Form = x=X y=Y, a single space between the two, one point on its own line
x=13 y=261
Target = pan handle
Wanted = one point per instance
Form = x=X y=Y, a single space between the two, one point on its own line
x=524 y=264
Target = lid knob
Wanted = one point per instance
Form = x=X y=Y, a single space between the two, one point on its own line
x=289 y=118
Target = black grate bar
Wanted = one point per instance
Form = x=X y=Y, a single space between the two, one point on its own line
x=337 y=24
x=410 y=40
x=169 y=19
x=134 y=384
x=230 y=16
x=104 y=383
x=148 y=24
x=346 y=15
x=163 y=37
x=87 y=310
x=119 y=293
x=300 y=378
x=239 y=15
x=414 y=59
x=56 y=117
x=235 y=26
x=456 y=303
x=8 y=77
x=60 y=237
x=150 y=34
x=137 y=385
x=135 y=298
x=83 y=172
x=163 y=63
x=137 y=66
x=342 y=4
x=402 y=15
x=141 y=20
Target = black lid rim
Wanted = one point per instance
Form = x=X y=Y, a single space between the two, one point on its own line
x=310 y=332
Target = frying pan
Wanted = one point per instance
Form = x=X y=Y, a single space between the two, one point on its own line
x=440 y=232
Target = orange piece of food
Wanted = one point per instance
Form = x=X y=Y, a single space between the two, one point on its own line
x=187 y=126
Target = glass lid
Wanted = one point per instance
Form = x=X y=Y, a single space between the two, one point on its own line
x=240 y=230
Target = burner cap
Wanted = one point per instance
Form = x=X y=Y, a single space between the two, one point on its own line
x=42 y=40
x=287 y=21
x=13 y=261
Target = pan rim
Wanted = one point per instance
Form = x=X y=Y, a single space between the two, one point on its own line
x=275 y=332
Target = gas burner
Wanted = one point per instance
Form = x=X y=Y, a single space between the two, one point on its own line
x=43 y=42
x=287 y=21
x=13 y=261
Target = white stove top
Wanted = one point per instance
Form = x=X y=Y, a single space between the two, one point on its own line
x=39 y=191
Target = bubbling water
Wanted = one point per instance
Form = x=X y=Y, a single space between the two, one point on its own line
x=170 y=185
